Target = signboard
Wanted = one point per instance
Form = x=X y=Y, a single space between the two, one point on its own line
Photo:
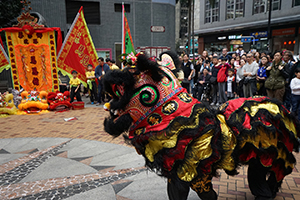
x=286 y=31
x=234 y=37
x=157 y=29
x=222 y=38
x=246 y=39
x=259 y=34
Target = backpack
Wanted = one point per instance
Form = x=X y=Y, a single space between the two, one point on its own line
x=222 y=75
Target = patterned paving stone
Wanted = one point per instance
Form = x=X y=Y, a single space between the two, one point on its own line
x=127 y=184
x=21 y=171
x=3 y=151
x=77 y=187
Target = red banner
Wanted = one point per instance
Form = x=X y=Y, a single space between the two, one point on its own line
x=4 y=60
x=78 y=49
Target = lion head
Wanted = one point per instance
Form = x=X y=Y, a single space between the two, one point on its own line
x=138 y=94
x=33 y=102
x=59 y=101
x=7 y=106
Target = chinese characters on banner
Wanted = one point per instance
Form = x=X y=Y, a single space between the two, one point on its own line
x=78 y=49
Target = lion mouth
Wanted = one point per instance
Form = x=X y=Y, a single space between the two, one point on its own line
x=32 y=110
x=61 y=108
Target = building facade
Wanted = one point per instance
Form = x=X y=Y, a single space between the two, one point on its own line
x=227 y=22
x=104 y=19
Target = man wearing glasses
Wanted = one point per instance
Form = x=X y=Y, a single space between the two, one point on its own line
x=249 y=73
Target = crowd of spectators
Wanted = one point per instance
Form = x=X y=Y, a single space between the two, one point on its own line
x=217 y=79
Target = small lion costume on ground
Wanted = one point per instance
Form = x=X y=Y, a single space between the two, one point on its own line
x=187 y=142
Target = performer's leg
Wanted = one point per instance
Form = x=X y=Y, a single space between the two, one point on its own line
x=257 y=180
x=203 y=187
x=178 y=190
x=273 y=184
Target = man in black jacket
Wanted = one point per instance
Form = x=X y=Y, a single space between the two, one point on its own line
x=203 y=82
x=188 y=70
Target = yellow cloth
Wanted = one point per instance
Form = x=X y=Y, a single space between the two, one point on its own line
x=91 y=73
x=113 y=67
x=74 y=82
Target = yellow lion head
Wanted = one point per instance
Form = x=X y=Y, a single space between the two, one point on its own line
x=34 y=102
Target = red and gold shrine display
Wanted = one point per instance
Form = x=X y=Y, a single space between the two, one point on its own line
x=78 y=49
x=32 y=52
x=33 y=60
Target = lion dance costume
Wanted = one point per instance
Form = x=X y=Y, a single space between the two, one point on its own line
x=7 y=106
x=187 y=142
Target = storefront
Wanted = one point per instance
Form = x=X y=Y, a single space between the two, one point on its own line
x=215 y=44
x=235 y=42
x=260 y=42
x=284 y=39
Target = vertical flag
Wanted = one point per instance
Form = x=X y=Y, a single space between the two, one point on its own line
x=4 y=60
x=127 y=38
x=78 y=49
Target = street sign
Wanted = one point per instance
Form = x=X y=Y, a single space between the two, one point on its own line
x=260 y=34
x=246 y=39
x=157 y=29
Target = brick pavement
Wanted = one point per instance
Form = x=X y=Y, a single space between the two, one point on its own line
x=90 y=126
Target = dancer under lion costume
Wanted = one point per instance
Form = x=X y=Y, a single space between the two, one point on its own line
x=185 y=141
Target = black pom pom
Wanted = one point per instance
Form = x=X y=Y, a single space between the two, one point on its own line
x=144 y=64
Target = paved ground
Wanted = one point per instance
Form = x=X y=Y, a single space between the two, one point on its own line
x=44 y=157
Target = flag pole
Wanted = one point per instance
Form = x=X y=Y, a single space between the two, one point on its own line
x=123 y=26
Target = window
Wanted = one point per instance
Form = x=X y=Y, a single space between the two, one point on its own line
x=118 y=7
x=296 y=2
x=91 y=11
x=262 y=6
x=259 y=6
x=276 y=4
x=211 y=13
x=235 y=9
x=239 y=8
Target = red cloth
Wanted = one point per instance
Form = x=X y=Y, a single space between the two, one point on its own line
x=222 y=74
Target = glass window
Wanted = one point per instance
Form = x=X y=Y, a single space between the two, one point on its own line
x=211 y=13
x=207 y=12
x=276 y=4
x=296 y=3
x=230 y=9
x=261 y=6
x=118 y=7
x=235 y=9
x=239 y=8
x=91 y=11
